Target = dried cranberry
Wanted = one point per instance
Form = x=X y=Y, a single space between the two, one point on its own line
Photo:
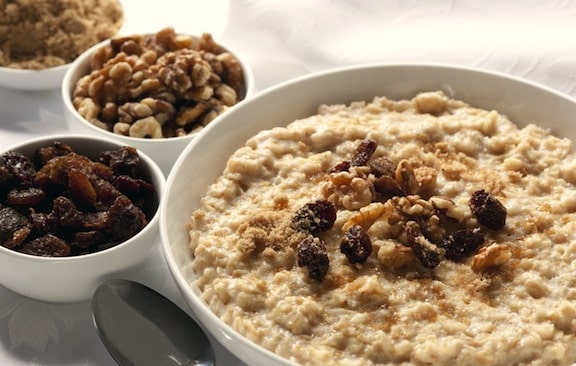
x=488 y=210
x=363 y=152
x=462 y=243
x=356 y=244
x=315 y=217
x=312 y=254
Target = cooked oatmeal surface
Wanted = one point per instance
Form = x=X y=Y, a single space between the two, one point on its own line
x=510 y=301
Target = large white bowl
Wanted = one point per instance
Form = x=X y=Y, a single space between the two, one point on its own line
x=205 y=158
x=74 y=279
x=163 y=151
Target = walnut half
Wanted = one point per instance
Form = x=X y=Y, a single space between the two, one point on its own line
x=491 y=256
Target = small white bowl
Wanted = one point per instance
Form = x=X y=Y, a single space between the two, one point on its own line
x=20 y=79
x=74 y=279
x=520 y=100
x=164 y=151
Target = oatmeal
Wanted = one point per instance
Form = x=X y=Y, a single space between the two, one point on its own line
x=422 y=231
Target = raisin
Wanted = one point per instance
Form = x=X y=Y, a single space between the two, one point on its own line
x=462 y=243
x=56 y=171
x=363 y=152
x=133 y=187
x=81 y=188
x=28 y=196
x=68 y=204
x=342 y=166
x=87 y=239
x=124 y=219
x=489 y=211
x=44 y=222
x=106 y=193
x=356 y=244
x=387 y=187
x=426 y=252
x=315 y=217
x=312 y=254
x=7 y=181
x=14 y=227
x=66 y=212
x=122 y=161
x=46 y=153
x=46 y=246
x=20 y=166
x=383 y=167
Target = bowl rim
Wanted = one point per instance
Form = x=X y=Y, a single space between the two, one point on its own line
x=152 y=224
x=198 y=306
x=27 y=72
x=73 y=74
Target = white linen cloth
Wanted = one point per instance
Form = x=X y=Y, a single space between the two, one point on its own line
x=282 y=39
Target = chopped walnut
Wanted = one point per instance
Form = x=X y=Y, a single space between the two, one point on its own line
x=169 y=85
x=493 y=255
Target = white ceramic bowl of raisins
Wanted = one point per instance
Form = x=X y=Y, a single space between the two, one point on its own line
x=74 y=211
x=153 y=91
x=298 y=98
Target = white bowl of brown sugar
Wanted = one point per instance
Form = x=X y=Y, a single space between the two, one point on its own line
x=39 y=39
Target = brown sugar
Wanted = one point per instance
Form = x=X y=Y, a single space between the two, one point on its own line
x=38 y=34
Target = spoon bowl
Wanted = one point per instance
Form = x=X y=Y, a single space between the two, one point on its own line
x=139 y=326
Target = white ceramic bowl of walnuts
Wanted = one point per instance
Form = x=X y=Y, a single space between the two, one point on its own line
x=69 y=221
x=153 y=91
x=519 y=100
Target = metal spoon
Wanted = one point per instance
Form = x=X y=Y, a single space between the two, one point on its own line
x=139 y=326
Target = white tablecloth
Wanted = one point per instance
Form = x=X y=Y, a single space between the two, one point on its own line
x=282 y=39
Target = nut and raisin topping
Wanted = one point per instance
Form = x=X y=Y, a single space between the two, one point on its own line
x=163 y=85
x=60 y=203
x=430 y=227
